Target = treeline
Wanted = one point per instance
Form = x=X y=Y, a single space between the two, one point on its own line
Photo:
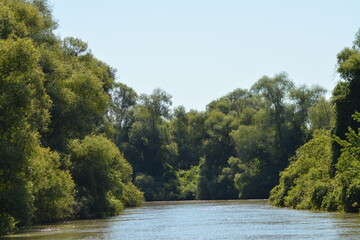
x=235 y=149
x=325 y=172
x=238 y=146
x=56 y=160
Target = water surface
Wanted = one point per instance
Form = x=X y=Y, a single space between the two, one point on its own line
x=205 y=220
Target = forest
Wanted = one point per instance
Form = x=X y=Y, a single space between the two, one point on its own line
x=77 y=144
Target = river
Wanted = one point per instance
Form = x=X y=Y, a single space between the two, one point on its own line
x=188 y=220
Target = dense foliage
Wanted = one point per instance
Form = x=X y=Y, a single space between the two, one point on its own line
x=74 y=143
x=324 y=174
x=235 y=149
x=102 y=176
x=54 y=96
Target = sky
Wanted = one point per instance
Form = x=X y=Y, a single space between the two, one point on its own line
x=200 y=50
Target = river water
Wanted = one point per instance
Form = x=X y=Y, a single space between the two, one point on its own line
x=188 y=220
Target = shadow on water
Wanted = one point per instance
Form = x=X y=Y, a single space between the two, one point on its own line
x=238 y=219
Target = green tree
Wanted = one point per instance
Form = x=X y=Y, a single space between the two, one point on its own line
x=188 y=133
x=150 y=136
x=27 y=19
x=52 y=188
x=322 y=115
x=23 y=113
x=303 y=99
x=124 y=100
x=217 y=149
x=257 y=161
x=78 y=85
x=102 y=176
x=276 y=91
x=32 y=187
x=151 y=149
x=51 y=91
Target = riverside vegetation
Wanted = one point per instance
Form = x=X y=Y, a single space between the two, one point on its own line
x=56 y=159
x=74 y=143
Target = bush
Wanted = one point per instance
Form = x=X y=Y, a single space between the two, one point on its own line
x=53 y=189
x=103 y=177
x=302 y=183
x=188 y=181
x=7 y=224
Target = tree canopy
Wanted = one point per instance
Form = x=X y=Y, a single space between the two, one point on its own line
x=54 y=99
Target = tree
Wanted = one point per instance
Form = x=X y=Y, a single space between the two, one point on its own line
x=78 y=85
x=102 y=176
x=149 y=134
x=51 y=91
x=322 y=115
x=27 y=19
x=32 y=187
x=275 y=90
x=157 y=104
x=74 y=47
x=151 y=149
x=217 y=149
x=188 y=132
x=303 y=98
x=53 y=189
x=257 y=161
x=23 y=113
x=124 y=100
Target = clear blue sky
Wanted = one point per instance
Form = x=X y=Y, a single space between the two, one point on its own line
x=199 y=50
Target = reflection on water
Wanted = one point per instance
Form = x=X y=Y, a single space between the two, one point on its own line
x=205 y=220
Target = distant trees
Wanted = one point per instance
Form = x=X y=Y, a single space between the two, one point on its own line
x=258 y=130
x=150 y=135
x=235 y=149
x=217 y=148
x=274 y=91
